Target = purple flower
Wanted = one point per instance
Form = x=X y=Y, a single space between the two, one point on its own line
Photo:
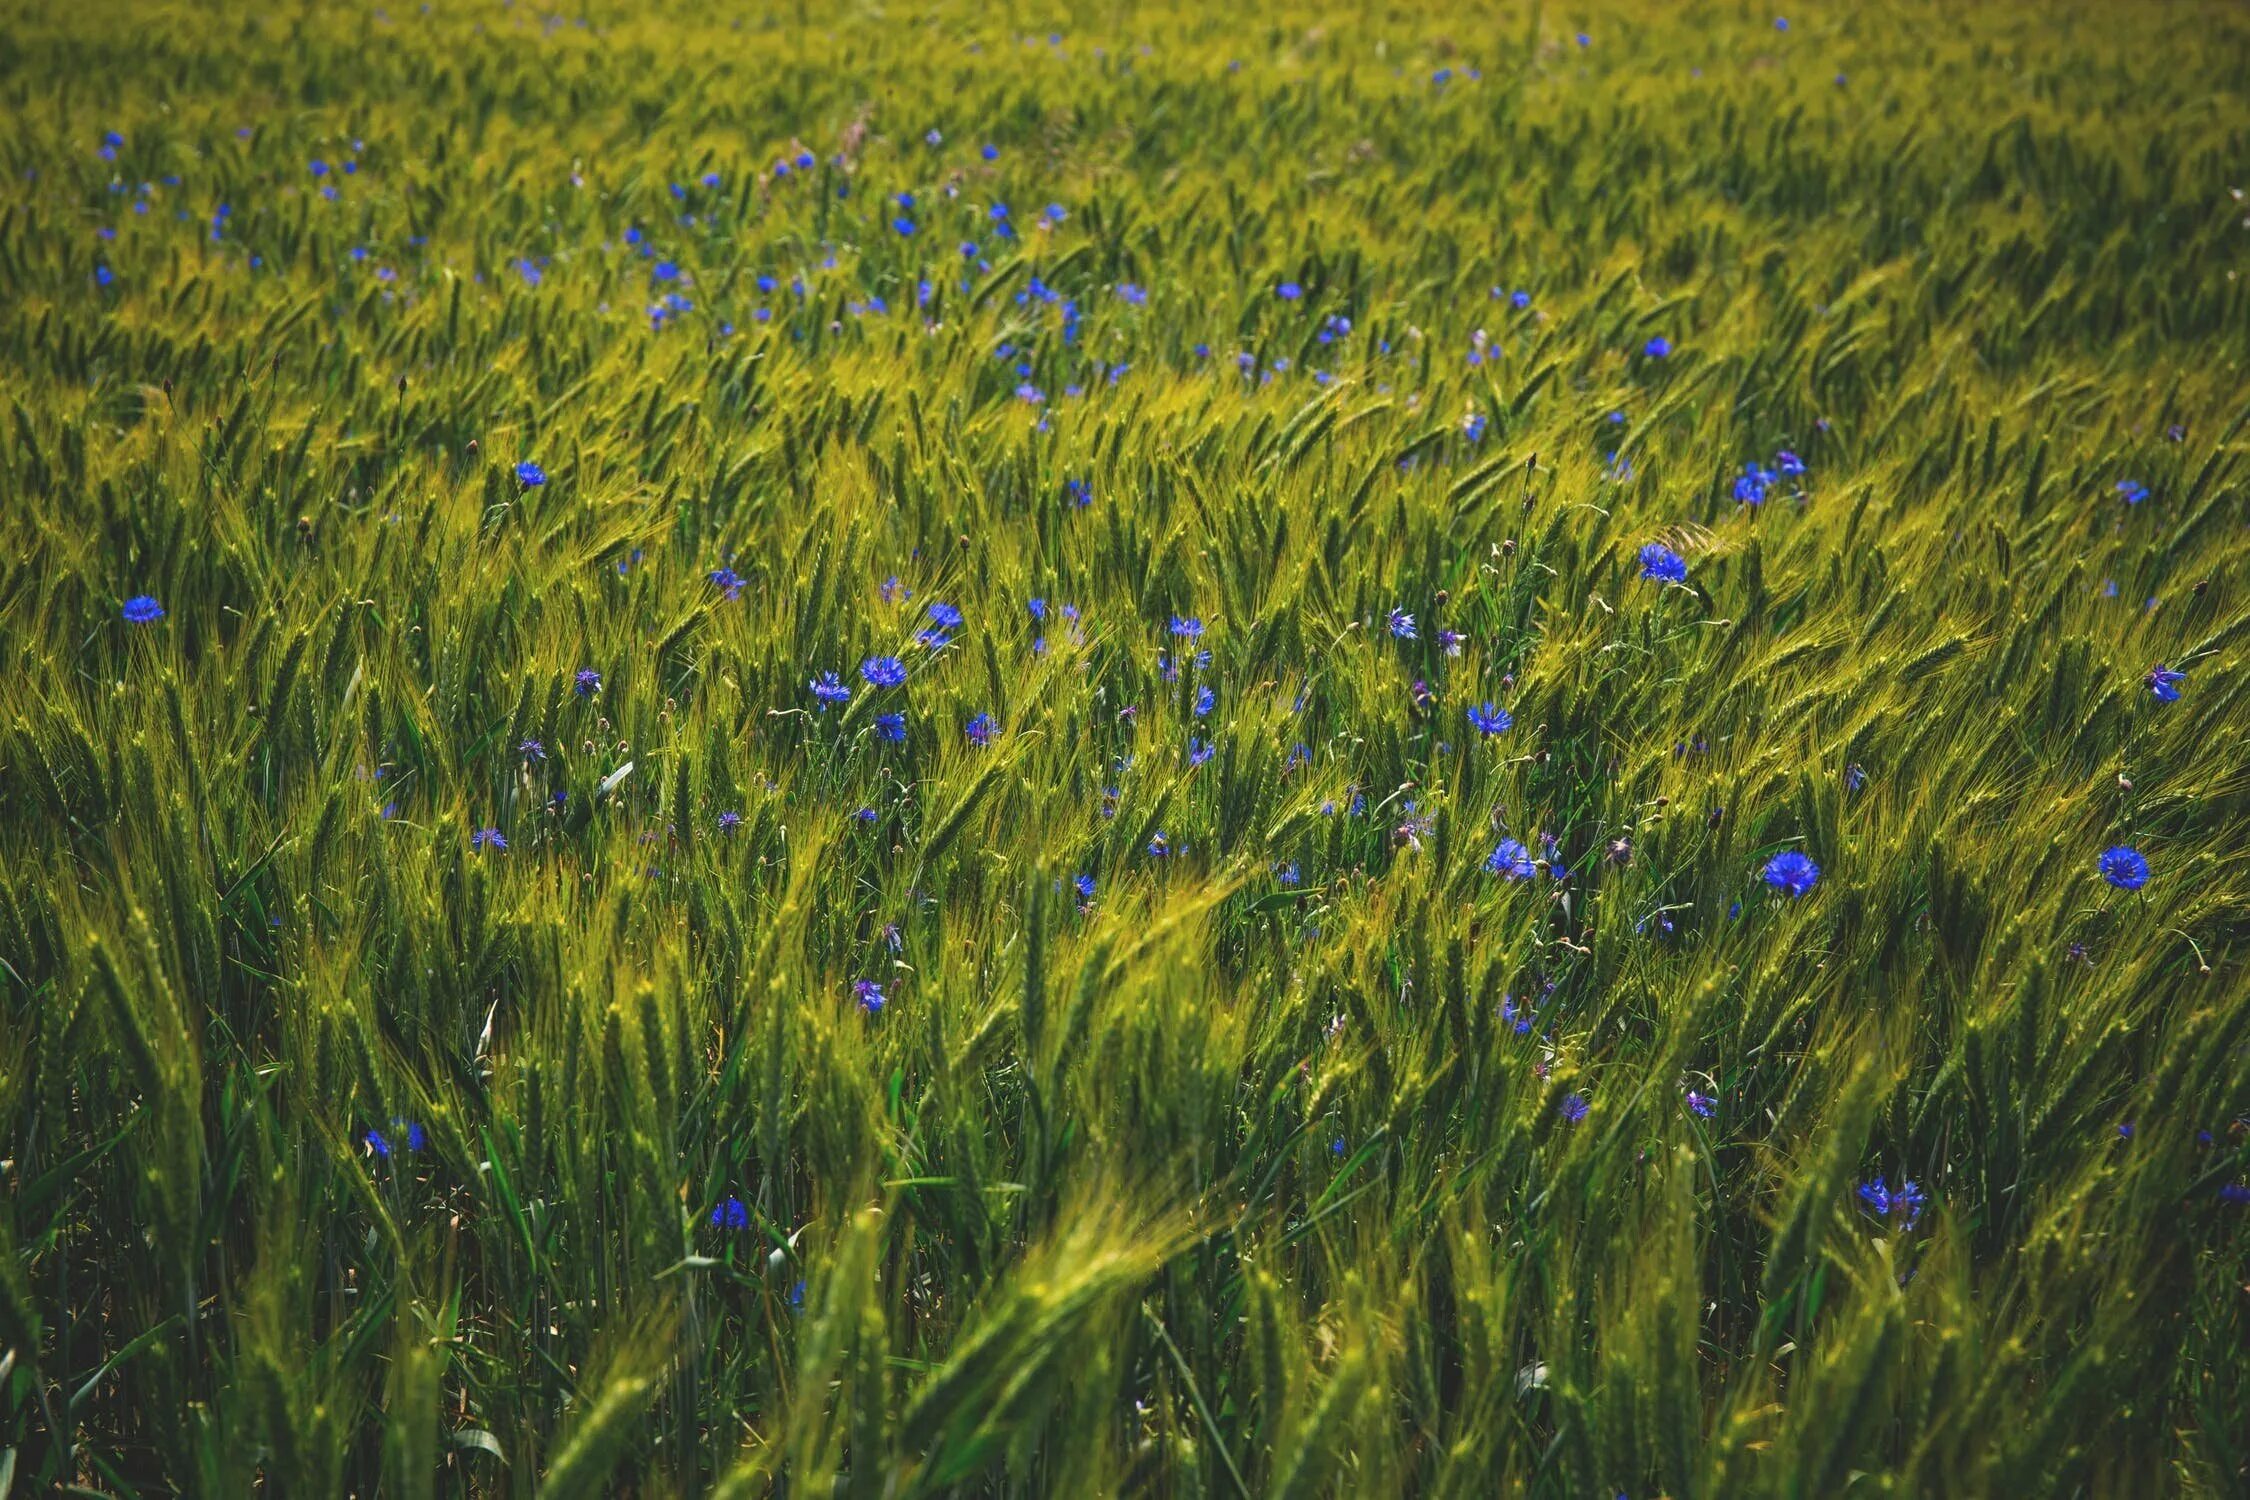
x=1662 y=563
x=2165 y=684
x=728 y=581
x=827 y=689
x=589 y=682
x=1703 y=1105
x=2123 y=867
x=1511 y=861
x=1402 y=625
x=980 y=730
x=1884 y=1202
x=869 y=994
x=488 y=838
x=1791 y=872
x=1190 y=626
x=1574 y=1107
x=1491 y=718
x=729 y=821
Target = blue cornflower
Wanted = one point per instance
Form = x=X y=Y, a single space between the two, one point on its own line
x=728 y=581
x=891 y=726
x=903 y=224
x=1158 y=845
x=883 y=671
x=946 y=616
x=2165 y=684
x=1134 y=295
x=1574 y=1107
x=1791 y=872
x=730 y=1214
x=2123 y=867
x=319 y=167
x=1884 y=1202
x=1084 y=885
x=729 y=821
x=142 y=609
x=1662 y=563
x=1205 y=701
x=2133 y=490
x=1854 y=777
x=589 y=682
x=530 y=474
x=1659 y=347
x=1191 y=627
x=532 y=750
x=1289 y=291
x=1511 y=861
x=869 y=994
x=1402 y=625
x=1199 y=751
x=1703 y=1105
x=488 y=838
x=1081 y=494
x=980 y=730
x=1490 y=718
x=829 y=690
x=1789 y=463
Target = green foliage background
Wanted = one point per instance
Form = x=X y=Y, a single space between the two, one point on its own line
x=1215 y=1185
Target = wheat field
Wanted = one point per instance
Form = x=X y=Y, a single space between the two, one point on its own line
x=1158 y=750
